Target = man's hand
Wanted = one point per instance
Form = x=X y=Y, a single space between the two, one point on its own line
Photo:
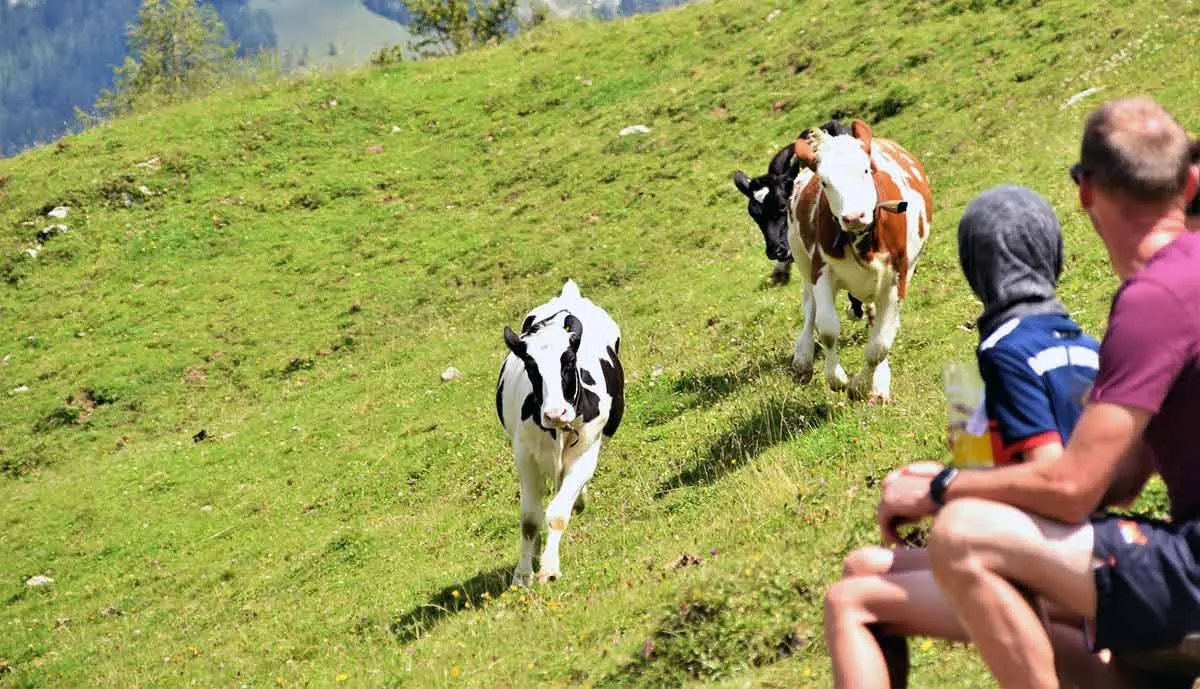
x=905 y=498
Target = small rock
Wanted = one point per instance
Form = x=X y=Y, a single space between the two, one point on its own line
x=333 y=103
x=1080 y=96
x=656 y=371
x=47 y=232
x=774 y=15
x=32 y=252
x=38 y=580
x=396 y=129
x=111 y=611
x=145 y=190
x=375 y=149
x=206 y=508
x=59 y=212
x=126 y=200
x=62 y=623
x=635 y=129
x=451 y=374
x=20 y=388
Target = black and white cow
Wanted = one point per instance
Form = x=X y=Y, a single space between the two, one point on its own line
x=561 y=392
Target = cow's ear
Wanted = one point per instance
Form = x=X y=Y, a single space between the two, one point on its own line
x=514 y=343
x=804 y=153
x=575 y=327
x=862 y=131
x=742 y=182
x=527 y=324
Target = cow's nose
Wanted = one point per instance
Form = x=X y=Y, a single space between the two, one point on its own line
x=853 y=218
x=556 y=416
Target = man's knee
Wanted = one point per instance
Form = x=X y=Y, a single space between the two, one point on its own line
x=958 y=530
x=867 y=560
x=843 y=600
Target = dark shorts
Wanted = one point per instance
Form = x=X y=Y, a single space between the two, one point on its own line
x=1147 y=583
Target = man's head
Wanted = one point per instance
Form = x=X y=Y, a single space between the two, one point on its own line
x=1010 y=248
x=1134 y=162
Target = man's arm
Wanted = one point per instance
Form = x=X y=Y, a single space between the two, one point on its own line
x=1132 y=474
x=1071 y=486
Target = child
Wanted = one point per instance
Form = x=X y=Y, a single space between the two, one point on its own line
x=1036 y=365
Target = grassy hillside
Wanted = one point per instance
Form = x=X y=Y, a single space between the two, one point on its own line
x=225 y=437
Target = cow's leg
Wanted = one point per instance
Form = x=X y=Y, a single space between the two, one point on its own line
x=782 y=272
x=802 y=358
x=829 y=329
x=875 y=380
x=532 y=485
x=558 y=513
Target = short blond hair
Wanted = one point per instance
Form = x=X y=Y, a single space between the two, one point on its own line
x=1134 y=147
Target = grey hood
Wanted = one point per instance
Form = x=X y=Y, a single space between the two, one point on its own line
x=1011 y=251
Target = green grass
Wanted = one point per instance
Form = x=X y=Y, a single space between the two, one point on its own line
x=294 y=291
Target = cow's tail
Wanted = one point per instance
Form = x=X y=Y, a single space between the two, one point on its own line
x=570 y=290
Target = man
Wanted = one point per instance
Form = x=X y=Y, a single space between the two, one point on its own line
x=1010 y=250
x=1005 y=533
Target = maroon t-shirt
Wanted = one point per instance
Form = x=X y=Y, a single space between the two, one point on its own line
x=1150 y=359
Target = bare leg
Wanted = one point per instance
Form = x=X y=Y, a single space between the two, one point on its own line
x=900 y=604
x=978 y=550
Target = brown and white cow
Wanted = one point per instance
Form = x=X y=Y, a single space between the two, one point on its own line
x=858 y=217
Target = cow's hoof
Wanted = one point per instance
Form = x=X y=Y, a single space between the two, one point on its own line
x=838 y=381
x=522 y=579
x=877 y=398
x=802 y=371
x=580 y=502
x=547 y=577
x=781 y=277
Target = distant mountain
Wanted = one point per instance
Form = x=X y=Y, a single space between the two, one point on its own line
x=56 y=55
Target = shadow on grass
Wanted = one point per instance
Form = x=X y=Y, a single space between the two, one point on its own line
x=771 y=423
x=694 y=389
x=471 y=594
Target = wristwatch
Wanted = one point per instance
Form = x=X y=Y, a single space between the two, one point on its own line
x=939 y=484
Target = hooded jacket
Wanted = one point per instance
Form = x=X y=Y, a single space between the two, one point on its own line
x=1011 y=251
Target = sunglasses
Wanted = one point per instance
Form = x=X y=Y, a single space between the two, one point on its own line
x=1077 y=173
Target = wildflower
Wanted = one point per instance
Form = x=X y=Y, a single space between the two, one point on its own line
x=455 y=672
x=342 y=676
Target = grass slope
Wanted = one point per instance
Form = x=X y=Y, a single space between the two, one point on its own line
x=289 y=269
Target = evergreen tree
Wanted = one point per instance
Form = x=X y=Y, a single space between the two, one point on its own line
x=179 y=49
x=458 y=25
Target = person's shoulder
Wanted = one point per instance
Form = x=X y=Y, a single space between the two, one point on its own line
x=1172 y=270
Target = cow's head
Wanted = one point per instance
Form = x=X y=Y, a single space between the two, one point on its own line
x=767 y=199
x=769 y=195
x=843 y=164
x=548 y=348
